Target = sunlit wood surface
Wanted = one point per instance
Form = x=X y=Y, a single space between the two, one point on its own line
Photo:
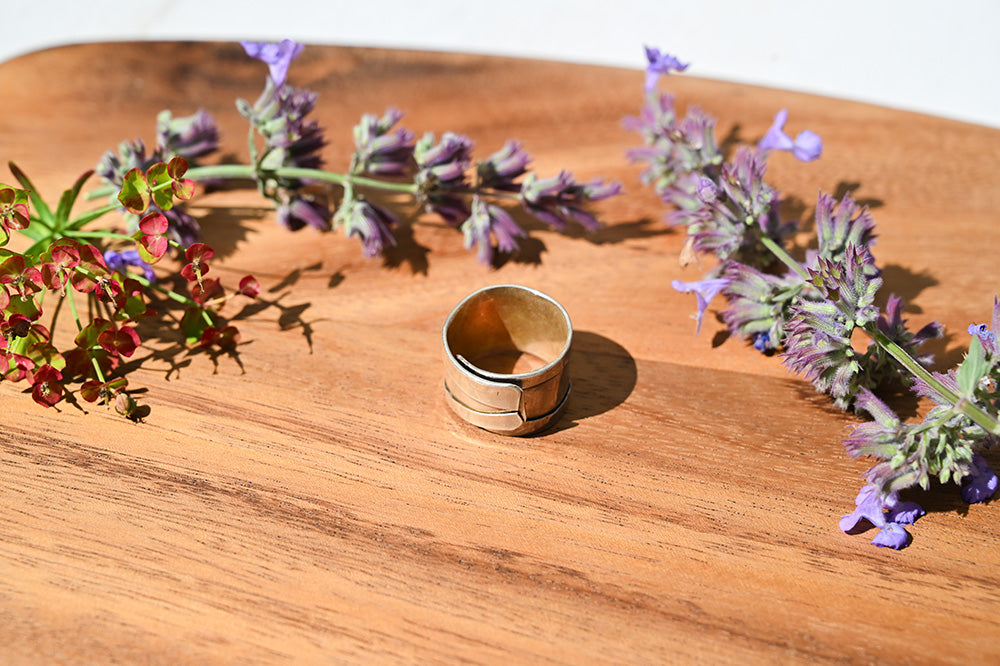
x=313 y=500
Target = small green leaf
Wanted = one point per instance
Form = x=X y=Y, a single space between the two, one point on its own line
x=183 y=189
x=177 y=167
x=87 y=337
x=69 y=197
x=160 y=186
x=193 y=325
x=135 y=192
x=152 y=248
x=973 y=368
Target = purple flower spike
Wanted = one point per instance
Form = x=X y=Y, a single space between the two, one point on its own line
x=190 y=136
x=806 y=147
x=503 y=167
x=484 y=220
x=981 y=482
x=277 y=55
x=557 y=200
x=371 y=223
x=705 y=291
x=380 y=147
x=303 y=209
x=660 y=63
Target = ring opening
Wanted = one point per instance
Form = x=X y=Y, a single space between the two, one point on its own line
x=508 y=330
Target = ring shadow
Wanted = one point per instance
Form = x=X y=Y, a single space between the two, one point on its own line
x=603 y=375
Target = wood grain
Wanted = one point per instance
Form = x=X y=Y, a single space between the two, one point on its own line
x=313 y=500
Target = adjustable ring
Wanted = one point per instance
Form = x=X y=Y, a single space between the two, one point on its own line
x=506 y=356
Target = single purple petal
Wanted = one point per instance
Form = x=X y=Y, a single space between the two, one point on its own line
x=121 y=260
x=277 y=55
x=808 y=146
x=892 y=536
x=776 y=139
x=987 y=337
x=905 y=513
x=981 y=482
x=705 y=291
x=869 y=507
x=707 y=191
x=660 y=63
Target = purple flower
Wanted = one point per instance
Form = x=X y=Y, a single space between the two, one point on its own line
x=190 y=136
x=884 y=512
x=559 y=199
x=277 y=55
x=986 y=336
x=372 y=224
x=303 y=209
x=120 y=261
x=727 y=216
x=503 y=167
x=705 y=291
x=486 y=219
x=806 y=147
x=981 y=482
x=131 y=154
x=291 y=139
x=443 y=164
x=891 y=536
x=757 y=304
x=380 y=149
x=660 y=63
x=843 y=223
x=441 y=173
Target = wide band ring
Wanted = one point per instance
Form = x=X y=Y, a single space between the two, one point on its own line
x=506 y=355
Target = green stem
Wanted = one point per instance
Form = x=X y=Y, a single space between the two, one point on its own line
x=169 y=293
x=101 y=192
x=248 y=172
x=785 y=258
x=90 y=216
x=962 y=404
x=969 y=409
x=79 y=327
x=98 y=234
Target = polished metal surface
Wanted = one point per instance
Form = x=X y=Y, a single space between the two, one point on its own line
x=506 y=350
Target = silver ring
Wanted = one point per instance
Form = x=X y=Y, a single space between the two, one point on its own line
x=506 y=356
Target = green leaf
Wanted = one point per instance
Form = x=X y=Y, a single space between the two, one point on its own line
x=160 y=186
x=177 y=167
x=973 y=368
x=68 y=198
x=193 y=325
x=87 y=337
x=151 y=248
x=135 y=193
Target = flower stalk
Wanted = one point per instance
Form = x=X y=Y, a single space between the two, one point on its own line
x=809 y=313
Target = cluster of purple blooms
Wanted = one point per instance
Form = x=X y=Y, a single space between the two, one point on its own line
x=440 y=174
x=448 y=182
x=808 y=309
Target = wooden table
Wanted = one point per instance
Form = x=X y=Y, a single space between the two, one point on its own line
x=314 y=500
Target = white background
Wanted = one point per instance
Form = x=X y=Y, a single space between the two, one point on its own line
x=932 y=57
